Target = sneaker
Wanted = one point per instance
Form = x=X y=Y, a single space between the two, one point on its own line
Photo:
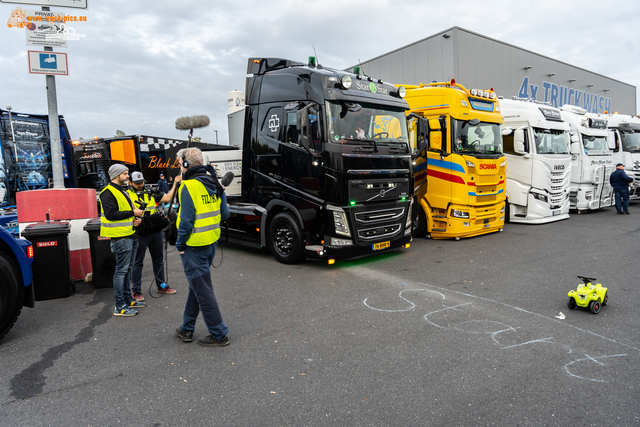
x=125 y=311
x=626 y=212
x=138 y=296
x=136 y=304
x=212 y=342
x=166 y=289
x=187 y=336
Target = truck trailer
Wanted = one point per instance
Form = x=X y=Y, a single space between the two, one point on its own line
x=459 y=167
x=536 y=144
x=325 y=169
x=591 y=160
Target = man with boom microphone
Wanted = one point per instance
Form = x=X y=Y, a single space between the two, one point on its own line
x=203 y=205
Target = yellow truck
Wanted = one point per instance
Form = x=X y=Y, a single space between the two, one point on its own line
x=459 y=167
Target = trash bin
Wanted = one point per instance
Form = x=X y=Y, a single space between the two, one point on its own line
x=103 y=261
x=51 y=266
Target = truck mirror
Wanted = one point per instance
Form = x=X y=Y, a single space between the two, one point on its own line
x=435 y=140
x=518 y=142
x=302 y=124
x=575 y=146
x=611 y=140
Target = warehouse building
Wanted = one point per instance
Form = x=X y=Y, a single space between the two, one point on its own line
x=477 y=61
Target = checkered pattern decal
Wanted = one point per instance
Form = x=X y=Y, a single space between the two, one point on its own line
x=155 y=144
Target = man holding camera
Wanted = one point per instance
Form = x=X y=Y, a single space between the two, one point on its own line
x=117 y=221
x=149 y=235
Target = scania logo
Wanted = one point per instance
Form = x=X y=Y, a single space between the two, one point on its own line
x=488 y=166
x=558 y=167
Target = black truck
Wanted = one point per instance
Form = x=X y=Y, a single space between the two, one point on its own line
x=325 y=166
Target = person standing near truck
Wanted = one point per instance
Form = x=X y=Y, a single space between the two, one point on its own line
x=148 y=237
x=620 y=181
x=162 y=184
x=117 y=221
x=203 y=205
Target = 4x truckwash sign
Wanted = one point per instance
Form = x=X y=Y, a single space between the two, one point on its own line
x=559 y=95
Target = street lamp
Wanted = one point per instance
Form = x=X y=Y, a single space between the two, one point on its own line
x=216 y=136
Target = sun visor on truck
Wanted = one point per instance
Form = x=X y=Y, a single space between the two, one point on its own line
x=123 y=151
x=262 y=65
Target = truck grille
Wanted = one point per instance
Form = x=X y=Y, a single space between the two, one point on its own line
x=385 y=231
x=378 y=190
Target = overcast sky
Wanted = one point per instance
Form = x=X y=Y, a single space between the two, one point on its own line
x=143 y=64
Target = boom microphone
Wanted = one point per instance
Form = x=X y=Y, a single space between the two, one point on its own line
x=193 y=122
x=227 y=178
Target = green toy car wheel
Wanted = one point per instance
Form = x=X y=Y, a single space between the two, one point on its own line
x=571 y=303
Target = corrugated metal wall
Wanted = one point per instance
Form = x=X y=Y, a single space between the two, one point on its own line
x=481 y=62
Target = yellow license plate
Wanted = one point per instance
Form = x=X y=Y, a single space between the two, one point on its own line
x=381 y=245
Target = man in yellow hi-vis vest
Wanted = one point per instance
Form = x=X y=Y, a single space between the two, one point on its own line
x=117 y=221
x=203 y=205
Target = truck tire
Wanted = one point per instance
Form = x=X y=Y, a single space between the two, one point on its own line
x=11 y=295
x=418 y=221
x=285 y=239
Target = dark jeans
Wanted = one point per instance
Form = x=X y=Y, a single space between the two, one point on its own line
x=125 y=250
x=622 y=205
x=197 y=262
x=153 y=241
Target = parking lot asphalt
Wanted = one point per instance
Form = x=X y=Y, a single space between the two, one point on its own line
x=445 y=333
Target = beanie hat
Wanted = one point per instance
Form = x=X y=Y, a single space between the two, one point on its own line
x=116 y=170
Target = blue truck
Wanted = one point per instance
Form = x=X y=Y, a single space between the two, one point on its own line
x=16 y=279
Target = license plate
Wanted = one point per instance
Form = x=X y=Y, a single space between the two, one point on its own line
x=381 y=245
x=555 y=213
x=487 y=225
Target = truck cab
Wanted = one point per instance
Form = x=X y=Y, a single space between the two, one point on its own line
x=325 y=164
x=458 y=163
x=591 y=159
x=624 y=136
x=536 y=144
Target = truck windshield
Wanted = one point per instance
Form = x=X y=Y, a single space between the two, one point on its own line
x=631 y=141
x=481 y=138
x=364 y=121
x=551 y=141
x=595 y=144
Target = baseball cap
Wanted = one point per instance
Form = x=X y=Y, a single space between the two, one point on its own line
x=161 y=175
x=137 y=178
x=619 y=164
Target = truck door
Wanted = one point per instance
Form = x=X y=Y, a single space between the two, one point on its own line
x=268 y=152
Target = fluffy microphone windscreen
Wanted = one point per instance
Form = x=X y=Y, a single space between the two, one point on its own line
x=193 y=122
x=227 y=178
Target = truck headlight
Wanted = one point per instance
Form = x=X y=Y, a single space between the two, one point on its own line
x=340 y=223
x=341 y=242
x=459 y=214
x=540 y=197
x=346 y=81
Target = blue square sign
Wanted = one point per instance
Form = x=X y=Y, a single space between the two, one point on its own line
x=48 y=61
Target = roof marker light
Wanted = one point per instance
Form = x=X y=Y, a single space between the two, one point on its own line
x=453 y=82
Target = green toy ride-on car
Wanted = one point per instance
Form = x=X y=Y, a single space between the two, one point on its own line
x=588 y=295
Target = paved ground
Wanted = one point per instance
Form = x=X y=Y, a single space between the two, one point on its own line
x=446 y=333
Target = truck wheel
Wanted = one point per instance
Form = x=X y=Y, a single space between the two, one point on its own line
x=595 y=307
x=11 y=295
x=571 y=303
x=285 y=239
x=418 y=221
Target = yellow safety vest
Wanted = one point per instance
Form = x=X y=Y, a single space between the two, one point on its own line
x=150 y=201
x=120 y=228
x=206 y=229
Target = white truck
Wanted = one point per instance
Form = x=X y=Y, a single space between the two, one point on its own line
x=592 y=159
x=536 y=144
x=624 y=136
